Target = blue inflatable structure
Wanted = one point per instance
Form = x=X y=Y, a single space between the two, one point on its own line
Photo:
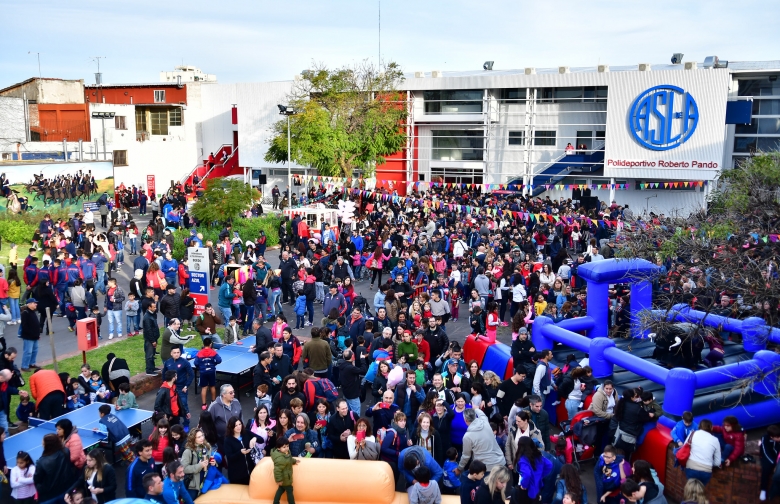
x=745 y=387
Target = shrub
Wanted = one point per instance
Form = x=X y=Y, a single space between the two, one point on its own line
x=17 y=231
x=248 y=229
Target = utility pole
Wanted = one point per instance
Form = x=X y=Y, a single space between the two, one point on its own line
x=99 y=78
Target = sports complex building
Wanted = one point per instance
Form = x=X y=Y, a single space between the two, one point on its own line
x=652 y=136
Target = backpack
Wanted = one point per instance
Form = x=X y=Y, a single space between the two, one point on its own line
x=319 y=388
x=382 y=433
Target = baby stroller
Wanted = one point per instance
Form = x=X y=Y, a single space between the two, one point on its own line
x=580 y=434
x=362 y=304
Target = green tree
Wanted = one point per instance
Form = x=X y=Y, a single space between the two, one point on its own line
x=224 y=200
x=346 y=119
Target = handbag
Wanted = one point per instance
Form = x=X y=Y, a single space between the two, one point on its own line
x=163 y=283
x=684 y=453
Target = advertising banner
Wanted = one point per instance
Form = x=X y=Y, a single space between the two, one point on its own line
x=199 y=276
x=150 y=187
x=666 y=125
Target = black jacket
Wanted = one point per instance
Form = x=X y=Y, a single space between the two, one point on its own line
x=239 y=465
x=521 y=351
x=31 y=325
x=263 y=340
x=631 y=417
x=262 y=375
x=108 y=484
x=162 y=402
x=169 y=306
x=151 y=331
x=336 y=425
x=349 y=375
x=54 y=475
x=443 y=427
x=281 y=366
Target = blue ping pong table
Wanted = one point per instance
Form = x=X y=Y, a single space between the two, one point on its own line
x=237 y=363
x=85 y=419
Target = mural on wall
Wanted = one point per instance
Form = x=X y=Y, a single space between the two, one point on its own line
x=65 y=186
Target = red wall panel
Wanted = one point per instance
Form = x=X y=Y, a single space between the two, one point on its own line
x=139 y=95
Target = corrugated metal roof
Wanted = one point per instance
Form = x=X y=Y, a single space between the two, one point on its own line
x=735 y=66
x=156 y=84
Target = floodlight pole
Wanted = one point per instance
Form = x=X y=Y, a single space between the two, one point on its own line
x=105 y=154
x=289 y=168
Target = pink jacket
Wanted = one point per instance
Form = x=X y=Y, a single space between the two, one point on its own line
x=379 y=262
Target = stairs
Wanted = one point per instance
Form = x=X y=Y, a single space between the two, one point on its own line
x=564 y=166
x=220 y=169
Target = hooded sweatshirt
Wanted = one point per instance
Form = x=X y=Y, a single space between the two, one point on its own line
x=479 y=443
x=207 y=360
x=428 y=494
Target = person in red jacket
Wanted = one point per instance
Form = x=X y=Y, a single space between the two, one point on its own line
x=184 y=272
x=732 y=439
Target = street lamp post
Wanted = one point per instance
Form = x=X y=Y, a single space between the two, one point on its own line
x=287 y=110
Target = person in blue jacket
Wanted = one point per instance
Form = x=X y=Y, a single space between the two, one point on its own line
x=683 y=429
x=170 y=268
x=174 y=490
x=383 y=412
x=226 y=296
x=532 y=467
x=415 y=456
x=607 y=474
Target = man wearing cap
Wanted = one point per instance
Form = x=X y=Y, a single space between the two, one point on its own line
x=30 y=333
x=522 y=348
x=334 y=299
x=170 y=304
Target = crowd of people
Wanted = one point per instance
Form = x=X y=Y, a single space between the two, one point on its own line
x=378 y=378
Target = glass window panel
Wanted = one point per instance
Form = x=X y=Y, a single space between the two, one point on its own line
x=457 y=145
x=174 y=116
x=568 y=94
x=759 y=87
x=766 y=107
x=769 y=126
x=544 y=137
x=140 y=119
x=512 y=94
x=453 y=101
x=159 y=120
x=744 y=144
x=545 y=95
x=517 y=138
x=747 y=128
x=768 y=144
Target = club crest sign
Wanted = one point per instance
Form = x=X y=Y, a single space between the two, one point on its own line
x=663 y=117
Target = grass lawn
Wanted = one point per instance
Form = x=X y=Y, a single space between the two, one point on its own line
x=130 y=349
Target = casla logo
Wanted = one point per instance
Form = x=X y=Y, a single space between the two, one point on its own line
x=663 y=117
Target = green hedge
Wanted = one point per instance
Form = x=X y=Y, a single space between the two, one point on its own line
x=248 y=229
x=18 y=232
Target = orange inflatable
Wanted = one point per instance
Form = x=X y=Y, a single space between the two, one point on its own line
x=319 y=481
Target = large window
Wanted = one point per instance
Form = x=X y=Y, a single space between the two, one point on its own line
x=468 y=101
x=544 y=138
x=140 y=119
x=512 y=95
x=763 y=132
x=175 y=116
x=156 y=120
x=517 y=138
x=458 y=145
x=159 y=121
x=572 y=94
x=120 y=158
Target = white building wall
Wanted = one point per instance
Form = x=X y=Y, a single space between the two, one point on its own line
x=12 y=127
x=167 y=157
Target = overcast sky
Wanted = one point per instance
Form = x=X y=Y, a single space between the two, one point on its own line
x=261 y=40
